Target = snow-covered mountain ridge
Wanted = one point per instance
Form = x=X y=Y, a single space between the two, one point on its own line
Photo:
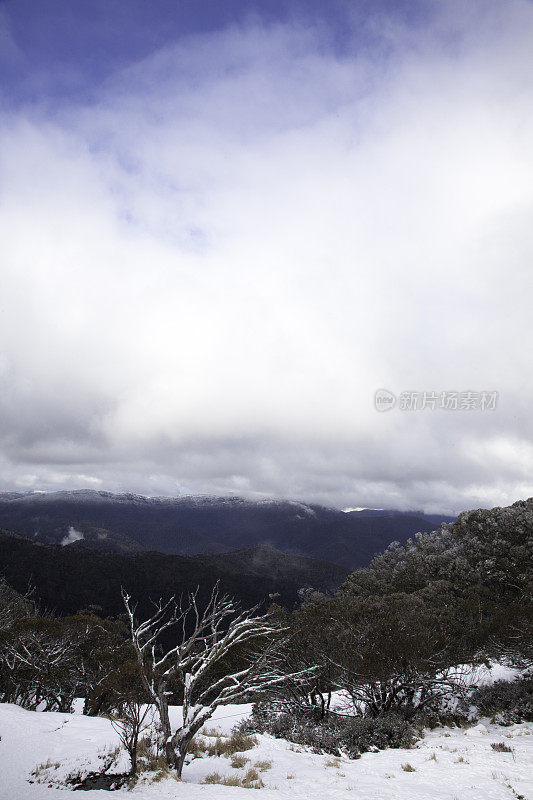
x=205 y=524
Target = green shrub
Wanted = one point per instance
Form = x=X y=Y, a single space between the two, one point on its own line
x=506 y=701
x=334 y=734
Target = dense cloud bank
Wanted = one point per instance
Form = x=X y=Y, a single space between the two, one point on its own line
x=211 y=263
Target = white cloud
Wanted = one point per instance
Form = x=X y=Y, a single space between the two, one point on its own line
x=72 y=536
x=209 y=271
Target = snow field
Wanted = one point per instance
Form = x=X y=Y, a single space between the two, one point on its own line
x=447 y=764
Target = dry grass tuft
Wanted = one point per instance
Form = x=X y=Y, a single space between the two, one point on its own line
x=161 y=774
x=40 y=768
x=148 y=760
x=250 y=781
x=41 y=773
x=408 y=768
x=238 y=742
x=197 y=747
x=238 y=761
x=501 y=747
x=229 y=745
x=212 y=732
x=213 y=777
x=262 y=766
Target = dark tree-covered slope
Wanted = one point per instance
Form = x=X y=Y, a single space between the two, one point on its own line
x=67 y=579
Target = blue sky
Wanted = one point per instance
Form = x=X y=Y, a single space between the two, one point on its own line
x=225 y=225
x=61 y=49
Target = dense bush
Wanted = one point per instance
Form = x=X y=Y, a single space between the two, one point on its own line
x=393 y=637
x=333 y=734
x=394 y=654
x=506 y=701
x=479 y=567
x=46 y=661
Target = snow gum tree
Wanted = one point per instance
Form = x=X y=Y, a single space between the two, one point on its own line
x=202 y=661
x=477 y=570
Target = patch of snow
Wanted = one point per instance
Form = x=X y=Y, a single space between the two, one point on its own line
x=445 y=763
x=477 y=729
x=303 y=507
x=361 y=508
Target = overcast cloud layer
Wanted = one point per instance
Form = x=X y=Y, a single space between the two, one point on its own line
x=210 y=266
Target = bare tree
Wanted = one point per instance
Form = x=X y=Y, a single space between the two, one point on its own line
x=37 y=658
x=13 y=606
x=129 y=725
x=205 y=640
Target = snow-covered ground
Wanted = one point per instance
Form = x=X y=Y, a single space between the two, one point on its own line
x=447 y=764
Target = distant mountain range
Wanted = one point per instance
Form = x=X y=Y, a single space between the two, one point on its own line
x=193 y=525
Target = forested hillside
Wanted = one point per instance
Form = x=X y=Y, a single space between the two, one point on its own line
x=67 y=579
